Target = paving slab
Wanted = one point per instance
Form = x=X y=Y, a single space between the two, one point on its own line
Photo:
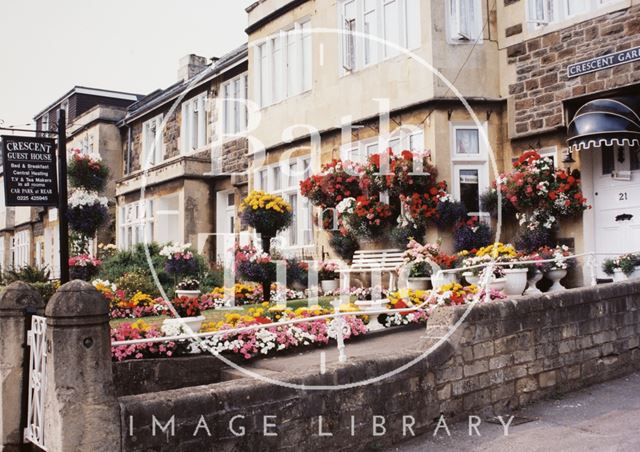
x=605 y=417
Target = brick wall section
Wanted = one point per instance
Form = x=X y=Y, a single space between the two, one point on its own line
x=504 y=355
x=541 y=67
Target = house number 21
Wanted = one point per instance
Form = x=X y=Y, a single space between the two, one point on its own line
x=623 y=196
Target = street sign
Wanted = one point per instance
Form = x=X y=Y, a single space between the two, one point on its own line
x=30 y=175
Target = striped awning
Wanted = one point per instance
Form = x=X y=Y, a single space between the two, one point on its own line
x=605 y=122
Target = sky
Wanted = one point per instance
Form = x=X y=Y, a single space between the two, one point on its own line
x=47 y=47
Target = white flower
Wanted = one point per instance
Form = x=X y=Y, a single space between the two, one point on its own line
x=171 y=249
x=82 y=197
x=346 y=205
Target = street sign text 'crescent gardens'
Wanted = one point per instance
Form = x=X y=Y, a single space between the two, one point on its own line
x=603 y=62
x=30 y=175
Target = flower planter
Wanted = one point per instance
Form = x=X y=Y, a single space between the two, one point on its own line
x=635 y=273
x=444 y=278
x=419 y=283
x=555 y=276
x=330 y=285
x=192 y=322
x=532 y=284
x=471 y=278
x=516 y=280
x=618 y=275
x=372 y=305
x=188 y=293
x=498 y=284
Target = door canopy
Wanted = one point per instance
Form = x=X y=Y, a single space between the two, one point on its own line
x=605 y=122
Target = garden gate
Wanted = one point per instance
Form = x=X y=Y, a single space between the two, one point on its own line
x=34 y=431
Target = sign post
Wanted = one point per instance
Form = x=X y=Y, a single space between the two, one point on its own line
x=31 y=179
x=63 y=222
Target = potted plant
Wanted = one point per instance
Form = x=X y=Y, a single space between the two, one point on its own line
x=445 y=262
x=556 y=270
x=420 y=260
x=87 y=212
x=189 y=314
x=267 y=214
x=534 y=273
x=189 y=288
x=256 y=266
x=328 y=276
x=180 y=260
x=87 y=171
x=83 y=267
x=623 y=267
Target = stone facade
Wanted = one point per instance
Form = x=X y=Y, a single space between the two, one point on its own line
x=503 y=356
x=541 y=68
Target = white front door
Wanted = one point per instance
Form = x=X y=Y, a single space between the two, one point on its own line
x=616 y=202
x=225 y=221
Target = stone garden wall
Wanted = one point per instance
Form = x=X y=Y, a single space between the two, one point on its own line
x=504 y=355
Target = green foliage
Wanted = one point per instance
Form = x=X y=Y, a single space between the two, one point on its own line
x=135 y=261
x=137 y=280
x=212 y=278
x=28 y=274
x=344 y=245
x=46 y=289
x=402 y=235
x=608 y=266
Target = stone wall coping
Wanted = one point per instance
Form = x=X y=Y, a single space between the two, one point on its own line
x=77 y=303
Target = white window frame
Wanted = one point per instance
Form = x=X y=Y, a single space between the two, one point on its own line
x=154 y=123
x=291 y=74
x=135 y=222
x=193 y=124
x=479 y=162
x=300 y=235
x=356 y=51
x=541 y=13
x=462 y=29
x=45 y=122
x=234 y=111
x=21 y=249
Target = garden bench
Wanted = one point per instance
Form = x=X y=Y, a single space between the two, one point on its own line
x=366 y=261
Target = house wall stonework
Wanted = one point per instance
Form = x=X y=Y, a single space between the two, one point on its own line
x=542 y=84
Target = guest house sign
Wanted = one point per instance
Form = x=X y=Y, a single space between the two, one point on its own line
x=603 y=62
x=30 y=177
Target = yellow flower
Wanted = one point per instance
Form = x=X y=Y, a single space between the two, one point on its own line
x=140 y=325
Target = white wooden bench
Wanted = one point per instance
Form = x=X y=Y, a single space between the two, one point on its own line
x=371 y=261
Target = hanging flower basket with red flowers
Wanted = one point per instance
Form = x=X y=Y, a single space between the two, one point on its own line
x=87 y=171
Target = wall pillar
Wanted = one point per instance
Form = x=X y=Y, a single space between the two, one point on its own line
x=16 y=301
x=81 y=409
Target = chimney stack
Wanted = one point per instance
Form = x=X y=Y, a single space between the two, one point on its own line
x=190 y=65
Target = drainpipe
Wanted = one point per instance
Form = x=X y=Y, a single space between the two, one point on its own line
x=128 y=168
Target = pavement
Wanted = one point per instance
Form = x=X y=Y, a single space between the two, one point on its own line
x=605 y=417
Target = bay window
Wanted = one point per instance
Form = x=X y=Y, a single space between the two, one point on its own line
x=464 y=21
x=135 y=224
x=283 y=64
x=390 y=23
x=194 y=123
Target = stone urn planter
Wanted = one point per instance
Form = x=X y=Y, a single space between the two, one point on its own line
x=555 y=276
x=634 y=274
x=192 y=322
x=330 y=285
x=516 y=280
x=372 y=305
x=471 y=278
x=618 y=275
x=423 y=283
x=187 y=293
x=498 y=284
x=532 y=284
